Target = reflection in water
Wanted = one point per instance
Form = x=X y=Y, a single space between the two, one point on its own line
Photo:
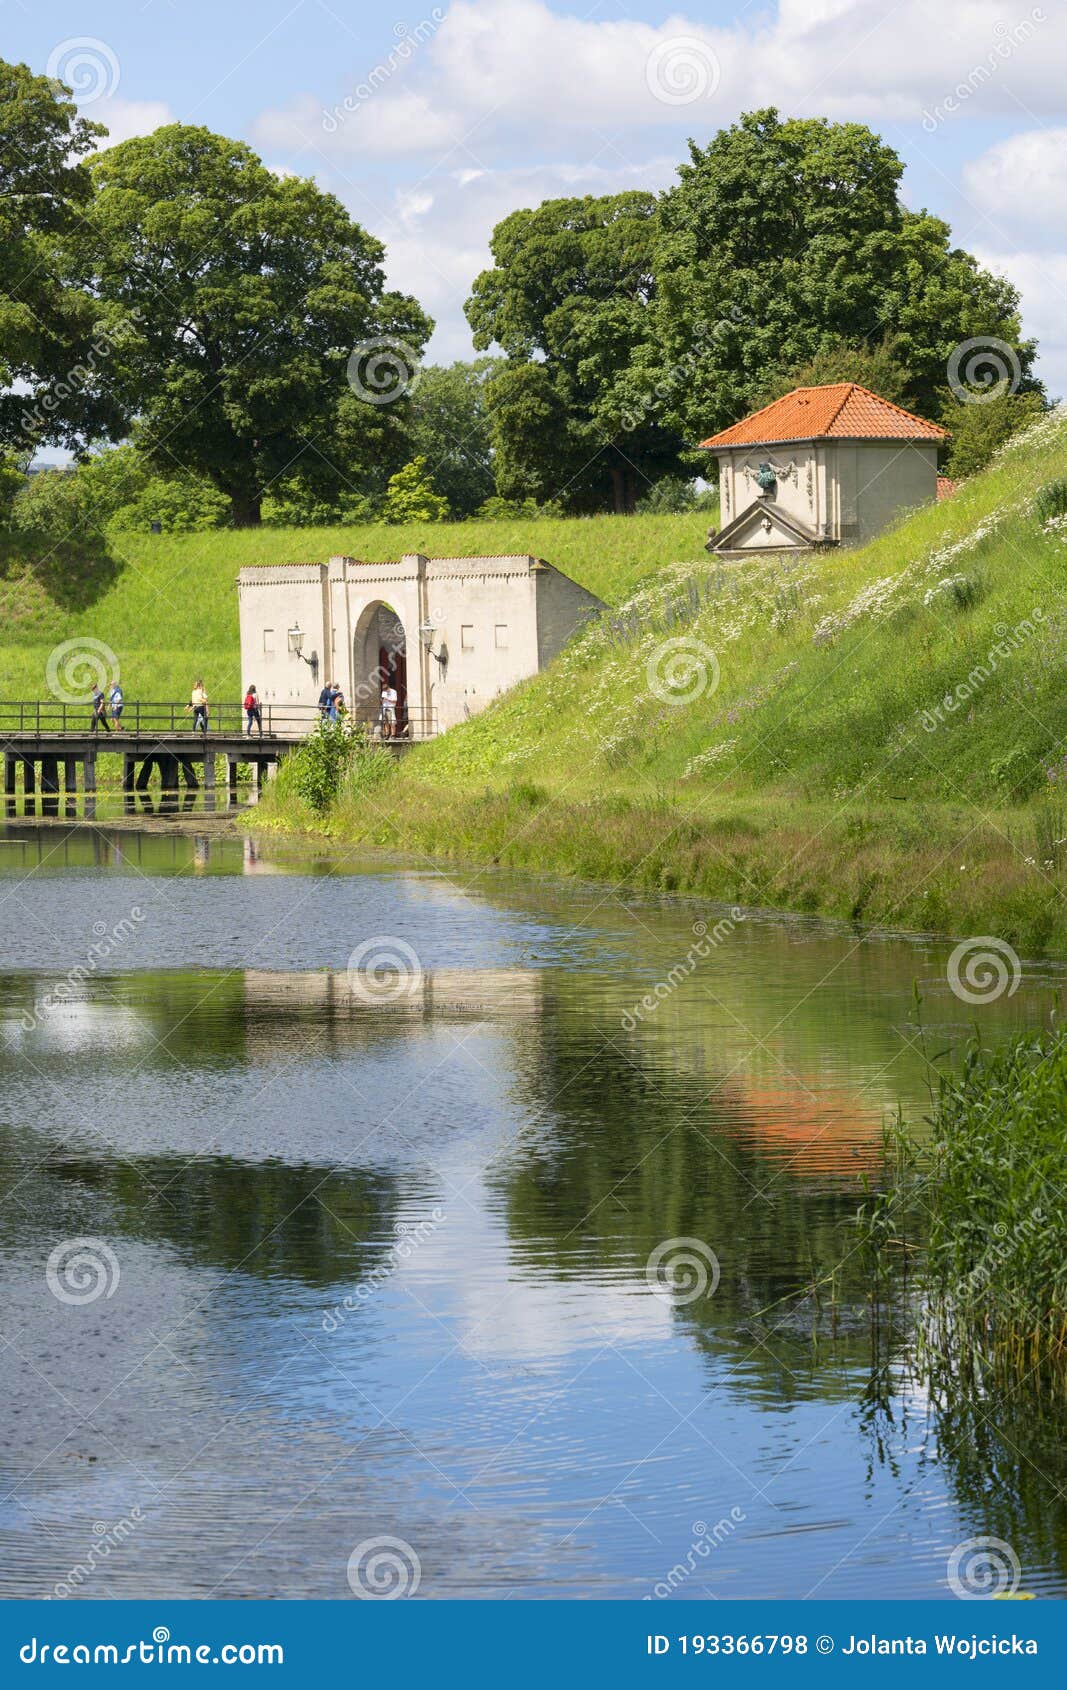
x=383 y=1265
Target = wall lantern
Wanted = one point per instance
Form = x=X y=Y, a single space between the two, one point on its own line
x=296 y=646
x=427 y=630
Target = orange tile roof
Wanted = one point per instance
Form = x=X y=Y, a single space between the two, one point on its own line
x=842 y=411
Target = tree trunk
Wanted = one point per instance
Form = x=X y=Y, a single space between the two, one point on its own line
x=246 y=511
x=618 y=486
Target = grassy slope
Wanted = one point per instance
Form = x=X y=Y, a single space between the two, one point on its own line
x=167 y=604
x=808 y=778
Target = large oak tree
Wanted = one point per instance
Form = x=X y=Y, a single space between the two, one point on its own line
x=243 y=295
x=568 y=301
x=50 y=351
x=784 y=239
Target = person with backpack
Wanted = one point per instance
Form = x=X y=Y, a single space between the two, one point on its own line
x=253 y=713
x=116 y=701
x=325 y=700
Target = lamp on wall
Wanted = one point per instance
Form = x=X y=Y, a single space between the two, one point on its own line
x=427 y=630
x=296 y=646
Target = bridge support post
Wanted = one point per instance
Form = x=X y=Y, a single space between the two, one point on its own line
x=29 y=786
x=70 y=782
x=129 y=772
x=188 y=768
x=231 y=780
x=90 y=786
x=10 y=772
x=50 y=786
x=209 y=779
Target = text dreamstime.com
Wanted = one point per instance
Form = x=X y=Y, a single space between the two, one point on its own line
x=158 y=1650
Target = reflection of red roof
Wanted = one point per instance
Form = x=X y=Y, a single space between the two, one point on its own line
x=842 y=411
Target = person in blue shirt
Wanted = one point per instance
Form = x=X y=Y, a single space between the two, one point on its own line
x=116 y=701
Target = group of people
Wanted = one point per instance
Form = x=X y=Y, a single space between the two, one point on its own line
x=332 y=706
x=107 y=708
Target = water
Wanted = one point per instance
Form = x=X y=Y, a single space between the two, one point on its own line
x=375 y=1266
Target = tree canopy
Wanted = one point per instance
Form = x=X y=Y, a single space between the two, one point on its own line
x=240 y=296
x=568 y=301
x=784 y=238
x=49 y=342
x=450 y=427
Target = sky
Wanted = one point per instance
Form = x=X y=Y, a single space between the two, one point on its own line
x=432 y=120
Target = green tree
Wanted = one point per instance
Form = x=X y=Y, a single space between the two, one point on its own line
x=784 y=238
x=251 y=293
x=450 y=428
x=979 y=429
x=412 y=497
x=876 y=367
x=12 y=481
x=568 y=302
x=47 y=325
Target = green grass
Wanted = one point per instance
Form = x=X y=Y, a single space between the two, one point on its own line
x=167 y=604
x=802 y=754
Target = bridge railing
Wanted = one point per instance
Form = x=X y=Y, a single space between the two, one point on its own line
x=41 y=717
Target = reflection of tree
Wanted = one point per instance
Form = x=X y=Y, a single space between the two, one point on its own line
x=634 y=1154
x=266 y=1219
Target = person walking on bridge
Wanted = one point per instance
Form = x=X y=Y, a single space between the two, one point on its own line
x=199 y=706
x=99 y=718
x=116 y=701
x=253 y=712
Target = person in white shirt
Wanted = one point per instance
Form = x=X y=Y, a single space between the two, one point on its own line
x=389 y=703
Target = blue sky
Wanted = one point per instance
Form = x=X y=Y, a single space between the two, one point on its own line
x=433 y=119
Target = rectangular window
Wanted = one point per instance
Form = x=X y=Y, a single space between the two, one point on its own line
x=268 y=639
x=501 y=636
x=466 y=636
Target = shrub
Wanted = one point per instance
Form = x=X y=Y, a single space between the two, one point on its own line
x=1051 y=501
x=315 y=771
x=412 y=497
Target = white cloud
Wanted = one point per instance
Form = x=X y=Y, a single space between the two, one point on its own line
x=1041 y=278
x=498 y=70
x=126 y=118
x=1021 y=186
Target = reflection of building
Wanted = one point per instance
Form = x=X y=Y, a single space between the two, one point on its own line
x=821 y=466
x=449 y=633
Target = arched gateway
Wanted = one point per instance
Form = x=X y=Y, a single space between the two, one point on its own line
x=379 y=658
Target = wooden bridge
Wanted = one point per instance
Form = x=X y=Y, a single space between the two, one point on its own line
x=56 y=748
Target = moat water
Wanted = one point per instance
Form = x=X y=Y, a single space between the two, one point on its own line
x=503 y=1254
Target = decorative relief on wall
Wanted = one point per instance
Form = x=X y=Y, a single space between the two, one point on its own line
x=778 y=472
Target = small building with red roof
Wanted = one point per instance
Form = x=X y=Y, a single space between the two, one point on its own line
x=822 y=466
